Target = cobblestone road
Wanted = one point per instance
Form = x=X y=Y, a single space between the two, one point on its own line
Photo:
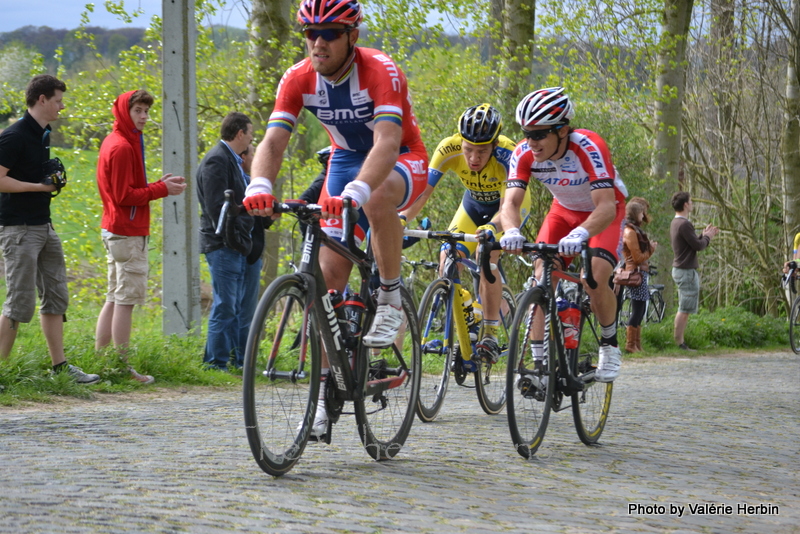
x=721 y=431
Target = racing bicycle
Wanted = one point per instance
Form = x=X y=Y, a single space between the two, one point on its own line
x=281 y=375
x=446 y=344
x=789 y=282
x=564 y=378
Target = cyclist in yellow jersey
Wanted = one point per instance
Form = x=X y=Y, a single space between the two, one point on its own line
x=479 y=156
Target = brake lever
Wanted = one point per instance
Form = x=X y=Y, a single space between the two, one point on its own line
x=586 y=259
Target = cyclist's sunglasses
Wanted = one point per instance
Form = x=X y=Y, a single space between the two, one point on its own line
x=328 y=34
x=538 y=135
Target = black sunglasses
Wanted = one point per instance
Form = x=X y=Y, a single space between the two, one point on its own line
x=538 y=135
x=328 y=34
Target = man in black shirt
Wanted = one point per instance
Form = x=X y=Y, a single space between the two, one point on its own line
x=34 y=259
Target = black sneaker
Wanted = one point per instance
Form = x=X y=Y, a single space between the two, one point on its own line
x=488 y=349
x=81 y=377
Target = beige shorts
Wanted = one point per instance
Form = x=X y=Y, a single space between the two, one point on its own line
x=127 y=269
x=688 y=283
x=34 y=262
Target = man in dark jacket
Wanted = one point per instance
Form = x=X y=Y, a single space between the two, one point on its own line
x=235 y=266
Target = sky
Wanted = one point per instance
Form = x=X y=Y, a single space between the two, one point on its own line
x=66 y=14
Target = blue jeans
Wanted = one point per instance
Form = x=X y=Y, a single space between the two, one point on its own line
x=235 y=294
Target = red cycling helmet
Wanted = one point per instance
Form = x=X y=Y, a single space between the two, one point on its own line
x=347 y=12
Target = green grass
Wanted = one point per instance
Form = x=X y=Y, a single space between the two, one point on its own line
x=174 y=361
x=723 y=329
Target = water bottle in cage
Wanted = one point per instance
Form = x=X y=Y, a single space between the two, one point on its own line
x=473 y=324
x=570 y=316
x=353 y=312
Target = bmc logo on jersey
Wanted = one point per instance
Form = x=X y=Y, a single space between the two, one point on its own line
x=343 y=115
x=391 y=68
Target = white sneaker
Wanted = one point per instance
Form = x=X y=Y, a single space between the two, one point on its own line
x=609 y=364
x=385 y=327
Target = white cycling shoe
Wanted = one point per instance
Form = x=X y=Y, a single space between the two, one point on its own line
x=385 y=327
x=609 y=365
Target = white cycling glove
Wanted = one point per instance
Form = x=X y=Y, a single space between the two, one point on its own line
x=512 y=239
x=358 y=191
x=571 y=245
x=257 y=186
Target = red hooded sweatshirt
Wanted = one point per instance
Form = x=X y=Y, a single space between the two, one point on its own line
x=121 y=176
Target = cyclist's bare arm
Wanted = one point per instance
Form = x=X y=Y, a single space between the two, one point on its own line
x=509 y=209
x=268 y=160
x=605 y=210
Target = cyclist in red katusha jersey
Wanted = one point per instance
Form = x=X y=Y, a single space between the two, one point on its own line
x=588 y=205
x=377 y=156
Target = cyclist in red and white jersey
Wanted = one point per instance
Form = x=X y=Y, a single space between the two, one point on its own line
x=377 y=156
x=588 y=205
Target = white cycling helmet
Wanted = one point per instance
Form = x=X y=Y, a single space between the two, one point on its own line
x=545 y=107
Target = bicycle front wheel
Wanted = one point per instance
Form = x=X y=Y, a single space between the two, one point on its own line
x=390 y=387
x=281 y=376
x=794 y=326
x=529 y=384
x=591 y=405
x=490 y=382
x=437 y=349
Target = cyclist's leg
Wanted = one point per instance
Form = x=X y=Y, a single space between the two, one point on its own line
x=461 y=222
x=606 y=247
x=555 y=225
x=335 y=268
x=398 y=191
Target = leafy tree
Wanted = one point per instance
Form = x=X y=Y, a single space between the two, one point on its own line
x=17 y=65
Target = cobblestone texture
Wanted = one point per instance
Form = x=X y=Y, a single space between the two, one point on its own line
x=722 y=430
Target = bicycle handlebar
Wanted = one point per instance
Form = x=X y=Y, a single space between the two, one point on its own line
x=229 y=205
x=443 y=236
x=542 y=248
x=231 y=210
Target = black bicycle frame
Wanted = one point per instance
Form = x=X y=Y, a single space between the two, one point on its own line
x=346 y=380
x=569 y=382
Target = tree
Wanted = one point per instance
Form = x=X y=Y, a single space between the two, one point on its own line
x=18 y=64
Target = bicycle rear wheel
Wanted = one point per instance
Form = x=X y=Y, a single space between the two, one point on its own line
x=794 y=326
x=655 y=311
x=281 y=376
x=589 y=407
x=529 y=386
x=625 y=310
x=390 y=387
x=437 y=350
x=490 y=380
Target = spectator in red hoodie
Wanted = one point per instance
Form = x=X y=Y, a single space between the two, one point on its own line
x=125 y=227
